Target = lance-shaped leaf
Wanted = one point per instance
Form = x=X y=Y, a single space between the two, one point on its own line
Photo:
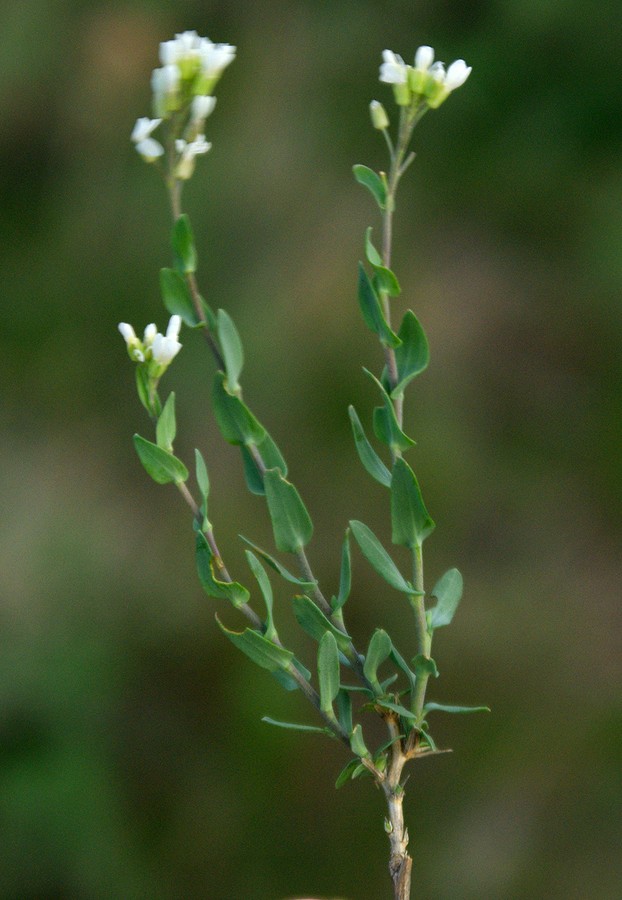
x=372 y=310
x=357 y=744
x=373 y=182
x=399 y=661
x=328 y=671
x=424 y=666
x=262 y=651
x=277 y=566
x=310 y=729
x=386 y=426
x=291 y=524
x=378 y=651
x=201 y=473
x=410 y=519
x=348 y=772
x=266 y=589
x=448 y=592
x=208 y=571
x=377 y=556
x=345 y=576
x=366 y=452
x=287 y=681
x=314 y=622
x=384 y=277
x=176 y=296
x=148 y=397
x=344 y=711
x=231 y=346
x=271 y=458
x=236 y=422
x=166 y=427
x=183 y=245
x=373 y=257
x=413 y=354
x=460 y=710
x=396 y=708
x=160 y=464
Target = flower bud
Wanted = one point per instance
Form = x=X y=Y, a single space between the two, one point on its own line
x=379 y=118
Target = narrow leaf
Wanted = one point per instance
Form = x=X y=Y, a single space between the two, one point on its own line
x=448 y=592
x=347 y=772
x=272 y=459
x=266 y=589
x=176 y=296
x=258 y=648
x=373 y=182
x=410 y=519
x=166 y=427
x=345 y=576
x=399 y=661
x=357 y=744
x=378 y=651
x=440 y=707
x=396 y=708
x=314 y=622
x=386 y=282
x=344 y=710
x=413 y=354
x=277 y=566
x=386 y=426
x=236 y=422
x=424 y=666
x=160 y=464
x=291 y=524
x=373 y=257
x=328 y=671
x=372 y=310
x=312 y=729
x=208 y=572
x=183 y=245
x=231 y=346
x=379 y=559
x=368 y=456
x=201 y=473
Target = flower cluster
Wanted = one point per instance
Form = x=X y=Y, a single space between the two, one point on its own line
x=426 y=81
x=182 y=96
x=157 y=348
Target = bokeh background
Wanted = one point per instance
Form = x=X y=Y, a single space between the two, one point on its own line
x=133 y=763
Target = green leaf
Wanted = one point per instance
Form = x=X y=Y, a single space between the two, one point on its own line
x=373 y=257
x=231 y=347
x=201 y=473
x=396 y=708
x=448 y=592
x=183 y=245
x=258 y=648
x=424 y=666
x=166 y=427
x=385 y=281
x=287 y=681
x=176 y=296
x=344 y=710
x=266 y=589
x=378 y=651
x=440 y=707
x=277 y=566
x=207 y=569
x=377 y=556
x=345 y=575
x=236 y=422
x=328 y=671
x=312 y=620
x=291 y=524
x=386 y=426
x=373 y=182
x=210 y=317
x=401 y=663
x=372 y=311
x=308 y=728
x=272 y=459
x=160 y=464
x=347 y=772
x=413 y=354
x=357 y=744
x=368 y=456
x=150 y=401
x=410 y=519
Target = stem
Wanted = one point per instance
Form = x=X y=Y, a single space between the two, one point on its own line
x=400 y=863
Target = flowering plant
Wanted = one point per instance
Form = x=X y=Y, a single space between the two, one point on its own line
x=349 y=683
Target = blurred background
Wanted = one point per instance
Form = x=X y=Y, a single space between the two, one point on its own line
x=133 y=762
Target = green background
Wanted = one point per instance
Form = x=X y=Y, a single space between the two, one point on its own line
x=132 y=760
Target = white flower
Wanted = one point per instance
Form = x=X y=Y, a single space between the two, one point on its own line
x=150 y=332
x=457 y=74
x=174 y=327
x=150 y=149
x=143 y=128
x=215 y=57
x=201 y=108
x=164 y=349
x=424 y=57
x=393 y=70
x=187 y=154
x=134 y=346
